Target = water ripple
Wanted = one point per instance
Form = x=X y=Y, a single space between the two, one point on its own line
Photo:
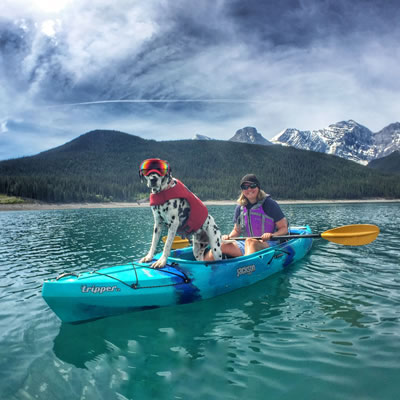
x=327 y=327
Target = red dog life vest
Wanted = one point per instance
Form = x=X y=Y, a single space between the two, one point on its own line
x=198 y=211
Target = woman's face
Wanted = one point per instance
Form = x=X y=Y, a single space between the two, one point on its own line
x=250 y=193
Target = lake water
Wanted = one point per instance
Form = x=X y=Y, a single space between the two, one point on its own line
x=327 y=328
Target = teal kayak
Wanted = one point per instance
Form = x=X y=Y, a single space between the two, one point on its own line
x=135 y=286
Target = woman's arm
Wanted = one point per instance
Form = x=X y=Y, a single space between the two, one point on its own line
x=235 y=233
x=281 y=229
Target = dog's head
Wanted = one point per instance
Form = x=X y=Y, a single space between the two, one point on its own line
x=157 y=174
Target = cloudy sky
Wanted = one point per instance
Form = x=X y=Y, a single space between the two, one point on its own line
x=170 y=69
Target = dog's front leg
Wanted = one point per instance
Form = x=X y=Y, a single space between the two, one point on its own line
x=199 y=245
x=214 y=236
x=173 y=227
x=154 y=241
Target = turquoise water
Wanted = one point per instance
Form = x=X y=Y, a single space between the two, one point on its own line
x=328 y=327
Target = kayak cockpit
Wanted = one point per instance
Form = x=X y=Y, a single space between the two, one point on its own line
x=186 y=253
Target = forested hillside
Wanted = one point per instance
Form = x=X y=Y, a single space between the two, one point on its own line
x=390 y=163
x=103 y=166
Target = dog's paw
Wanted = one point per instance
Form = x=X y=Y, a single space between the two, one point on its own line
x=160 y=263
x=146 y=259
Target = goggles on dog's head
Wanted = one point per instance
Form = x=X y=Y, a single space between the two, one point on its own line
x=156 y=165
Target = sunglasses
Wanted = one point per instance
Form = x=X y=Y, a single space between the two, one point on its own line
x=156 y=165
x=246 y=186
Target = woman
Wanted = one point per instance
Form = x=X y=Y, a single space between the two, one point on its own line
x=257 y=215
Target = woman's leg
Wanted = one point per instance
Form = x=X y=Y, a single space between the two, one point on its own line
x=253 y=245
x=230 y=249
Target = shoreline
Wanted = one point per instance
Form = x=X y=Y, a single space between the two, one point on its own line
x=77 y=206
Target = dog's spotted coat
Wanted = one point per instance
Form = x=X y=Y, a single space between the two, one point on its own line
x=174 y=214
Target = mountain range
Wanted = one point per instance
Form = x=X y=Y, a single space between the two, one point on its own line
x=346 y=139
x=248 y=134
x=103 y=166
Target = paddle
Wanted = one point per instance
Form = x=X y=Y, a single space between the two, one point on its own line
x=178 y=242
x=348 y=235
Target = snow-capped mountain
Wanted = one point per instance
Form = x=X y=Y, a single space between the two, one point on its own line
x=346 y=139
x=202 y=137
x=249 y=134
x=388 y=140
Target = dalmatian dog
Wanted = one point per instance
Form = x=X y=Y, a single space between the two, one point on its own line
x=177 y=208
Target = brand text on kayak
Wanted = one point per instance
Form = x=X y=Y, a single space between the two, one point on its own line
x=247 y=270
x=99 y=289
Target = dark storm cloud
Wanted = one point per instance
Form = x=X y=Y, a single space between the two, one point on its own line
x=298 y=23
x=278 y=64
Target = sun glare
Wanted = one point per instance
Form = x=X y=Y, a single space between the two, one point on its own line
x=50 y=6
x=48 y=27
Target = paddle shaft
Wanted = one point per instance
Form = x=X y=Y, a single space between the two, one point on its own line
x=311 y=235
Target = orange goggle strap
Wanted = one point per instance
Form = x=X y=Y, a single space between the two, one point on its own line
x=156 y=165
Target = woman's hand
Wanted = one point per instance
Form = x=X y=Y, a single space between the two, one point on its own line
x=282 y=229
x=266 y=236
x=235 y=233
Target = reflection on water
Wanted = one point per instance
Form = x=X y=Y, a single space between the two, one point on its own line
x=327 y=327
x=227 y=312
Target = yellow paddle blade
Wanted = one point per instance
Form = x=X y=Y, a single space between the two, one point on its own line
x=178 y=242
x=352 y=235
